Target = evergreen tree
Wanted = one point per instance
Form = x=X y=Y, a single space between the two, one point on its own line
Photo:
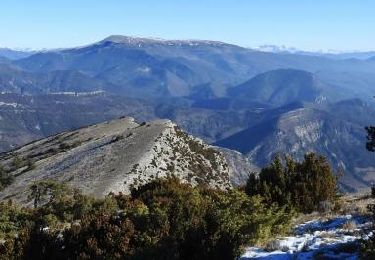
x=368 y=250
x=302 y=185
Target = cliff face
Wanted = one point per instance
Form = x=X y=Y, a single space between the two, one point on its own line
x=307 y=130
x=114 y=156
x=239 y=165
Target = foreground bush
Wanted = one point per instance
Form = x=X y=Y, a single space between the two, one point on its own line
x=164 y=219
x=368 y=246
x=305 y=185
x=5 y=178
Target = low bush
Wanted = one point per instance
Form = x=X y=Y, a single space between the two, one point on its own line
x=368 y=246
x=5 y=178
x=164 y=219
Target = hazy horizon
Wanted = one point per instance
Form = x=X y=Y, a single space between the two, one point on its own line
x=261 y=47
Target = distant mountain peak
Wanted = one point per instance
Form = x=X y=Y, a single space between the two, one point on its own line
x=135 y=40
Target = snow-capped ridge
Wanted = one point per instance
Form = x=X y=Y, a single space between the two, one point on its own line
x=136 y=40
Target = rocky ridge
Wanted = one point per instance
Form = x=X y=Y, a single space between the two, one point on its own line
x=113 y=157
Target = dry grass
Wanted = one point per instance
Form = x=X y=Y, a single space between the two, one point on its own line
x=275 y=245
x=350 y=226
x=353 y=204
x=303 y=218
x=272 y=245
x=327 y=235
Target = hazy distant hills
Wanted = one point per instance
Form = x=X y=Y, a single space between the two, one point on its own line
x=160 y=68
x=4 y=60
x=339 y=55
x=179 y=68
x=15 y=80
x=12 y=54
x=280 y=87
x=259 y=103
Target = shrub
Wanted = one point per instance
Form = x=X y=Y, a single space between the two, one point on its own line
x=349 y=225
x=18 y=162
x=5 y=178
x=368 y=246
x=164 y=219
x=303 y=185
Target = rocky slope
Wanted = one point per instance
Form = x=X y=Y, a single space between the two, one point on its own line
x=306 y=130
x=114 y=156
x=239 y=166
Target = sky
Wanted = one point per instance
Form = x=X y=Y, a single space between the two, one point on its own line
x=304 y=24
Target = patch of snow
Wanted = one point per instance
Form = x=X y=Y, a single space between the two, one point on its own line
x=323 y=237
x=320 y=99
x=78 y=94
x=144 y=69
x=9 y=104
x=309 y=131
x=342 y=165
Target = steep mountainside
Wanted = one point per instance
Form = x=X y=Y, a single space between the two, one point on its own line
x=240 y=167
x=27 y=118
x=280 y=87
x=14 y=80
x=114 y=156
x=309 y=130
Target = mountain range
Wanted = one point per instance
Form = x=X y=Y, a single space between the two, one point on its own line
x=14 y=54
x=255 y=102
x=333 y=54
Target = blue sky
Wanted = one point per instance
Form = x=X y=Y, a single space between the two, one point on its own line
x=305 y=24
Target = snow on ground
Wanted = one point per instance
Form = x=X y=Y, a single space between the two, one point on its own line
x=9 y=104
x=335 y=238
